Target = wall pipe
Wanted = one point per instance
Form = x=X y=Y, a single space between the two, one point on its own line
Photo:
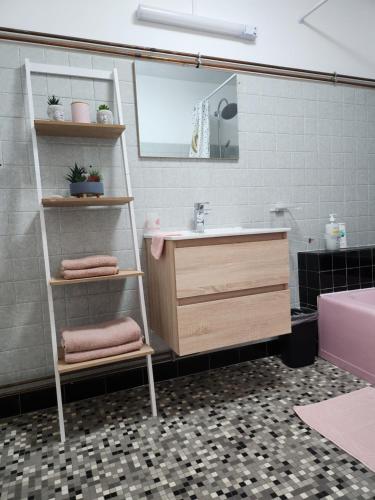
x=184 y=58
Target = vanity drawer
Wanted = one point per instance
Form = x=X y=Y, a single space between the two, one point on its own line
x=203 y=270
x=220 y=323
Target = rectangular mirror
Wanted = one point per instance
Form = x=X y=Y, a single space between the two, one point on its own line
x=186 y=112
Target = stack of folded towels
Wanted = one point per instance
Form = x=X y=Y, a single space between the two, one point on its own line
x=110 y=338
x=89 y=267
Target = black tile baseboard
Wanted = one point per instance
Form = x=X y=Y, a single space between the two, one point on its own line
x=193 y=364
x=42 y=398
x=326 y=271
x=83 y=389
x=38 y=400
x=10 y=406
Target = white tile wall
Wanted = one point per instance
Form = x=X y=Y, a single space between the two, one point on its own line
x=307 y=144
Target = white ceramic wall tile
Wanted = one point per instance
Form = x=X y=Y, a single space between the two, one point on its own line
x=307 y=144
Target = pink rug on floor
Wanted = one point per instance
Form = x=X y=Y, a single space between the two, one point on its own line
x=348 y=421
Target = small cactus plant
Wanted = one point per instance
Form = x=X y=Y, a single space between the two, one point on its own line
x=53 y=100
x=103 y=107
x=94 y=174
x=76 y=174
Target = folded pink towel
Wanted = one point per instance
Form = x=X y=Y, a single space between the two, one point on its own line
x=78 y=357
x=91 y=261
x=157 y=244
x=71 y=274
x=100 y=335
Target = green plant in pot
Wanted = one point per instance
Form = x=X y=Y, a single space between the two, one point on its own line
x=83 y=183
x=55 y=110
x=104 y=115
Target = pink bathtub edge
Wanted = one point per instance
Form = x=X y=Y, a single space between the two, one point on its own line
x=347 y=331
x=346 y=365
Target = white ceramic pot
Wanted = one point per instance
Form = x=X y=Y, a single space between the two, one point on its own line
x=80 y=112
x=104 y=116
x=55 y=112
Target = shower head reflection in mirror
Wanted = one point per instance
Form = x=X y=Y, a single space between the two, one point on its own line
x=181 y=109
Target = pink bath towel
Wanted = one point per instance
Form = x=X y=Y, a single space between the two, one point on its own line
x=78 y=357
x=100 y=336
x=157 y=244
x=71 y=274
x=88 y=262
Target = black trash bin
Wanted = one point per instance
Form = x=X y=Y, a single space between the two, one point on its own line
x=301 y=346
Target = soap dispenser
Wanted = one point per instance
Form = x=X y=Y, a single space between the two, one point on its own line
x=332 y=235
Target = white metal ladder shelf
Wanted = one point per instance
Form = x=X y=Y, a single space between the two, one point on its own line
x=113 y=77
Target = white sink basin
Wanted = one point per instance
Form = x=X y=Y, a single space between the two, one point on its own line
x=217 y=232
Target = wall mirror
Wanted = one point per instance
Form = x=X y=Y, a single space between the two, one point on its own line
x=186 y=112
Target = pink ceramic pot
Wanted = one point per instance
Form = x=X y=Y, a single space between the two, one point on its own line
x=80 y=112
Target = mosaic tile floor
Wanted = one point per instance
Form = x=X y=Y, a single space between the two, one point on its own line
x=228 y=433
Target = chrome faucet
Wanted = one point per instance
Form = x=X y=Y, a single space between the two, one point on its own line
x=200 y=210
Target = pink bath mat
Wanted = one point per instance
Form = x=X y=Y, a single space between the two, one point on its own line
x=348 y=421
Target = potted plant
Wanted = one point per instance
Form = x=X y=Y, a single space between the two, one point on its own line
x=55 y=110
x=104 y=114
x=83 y=183
x=80 y=112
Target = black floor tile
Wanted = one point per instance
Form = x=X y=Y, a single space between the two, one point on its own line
x=193 y=364
x=9 y=406
x=124 y=380
x=38 y=400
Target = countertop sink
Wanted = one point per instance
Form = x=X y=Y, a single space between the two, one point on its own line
x=217 y=232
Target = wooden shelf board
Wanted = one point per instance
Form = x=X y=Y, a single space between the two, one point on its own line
x=123 y=274
x=89 y=201
x=73 y=367
x=72 y=129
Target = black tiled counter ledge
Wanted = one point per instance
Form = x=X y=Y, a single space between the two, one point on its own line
x=326 y=271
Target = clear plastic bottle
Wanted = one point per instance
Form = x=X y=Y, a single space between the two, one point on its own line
x=332 y=234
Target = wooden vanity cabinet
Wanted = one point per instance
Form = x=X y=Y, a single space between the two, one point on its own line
x=215 y=292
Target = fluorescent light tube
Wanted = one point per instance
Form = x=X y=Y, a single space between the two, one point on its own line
x=199 y=23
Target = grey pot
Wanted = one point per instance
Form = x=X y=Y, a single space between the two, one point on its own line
x=87 y=188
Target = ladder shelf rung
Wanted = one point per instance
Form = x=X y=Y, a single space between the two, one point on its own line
x=63 y=367
x=123 y=274
x=89 y=201
x=73 y=129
